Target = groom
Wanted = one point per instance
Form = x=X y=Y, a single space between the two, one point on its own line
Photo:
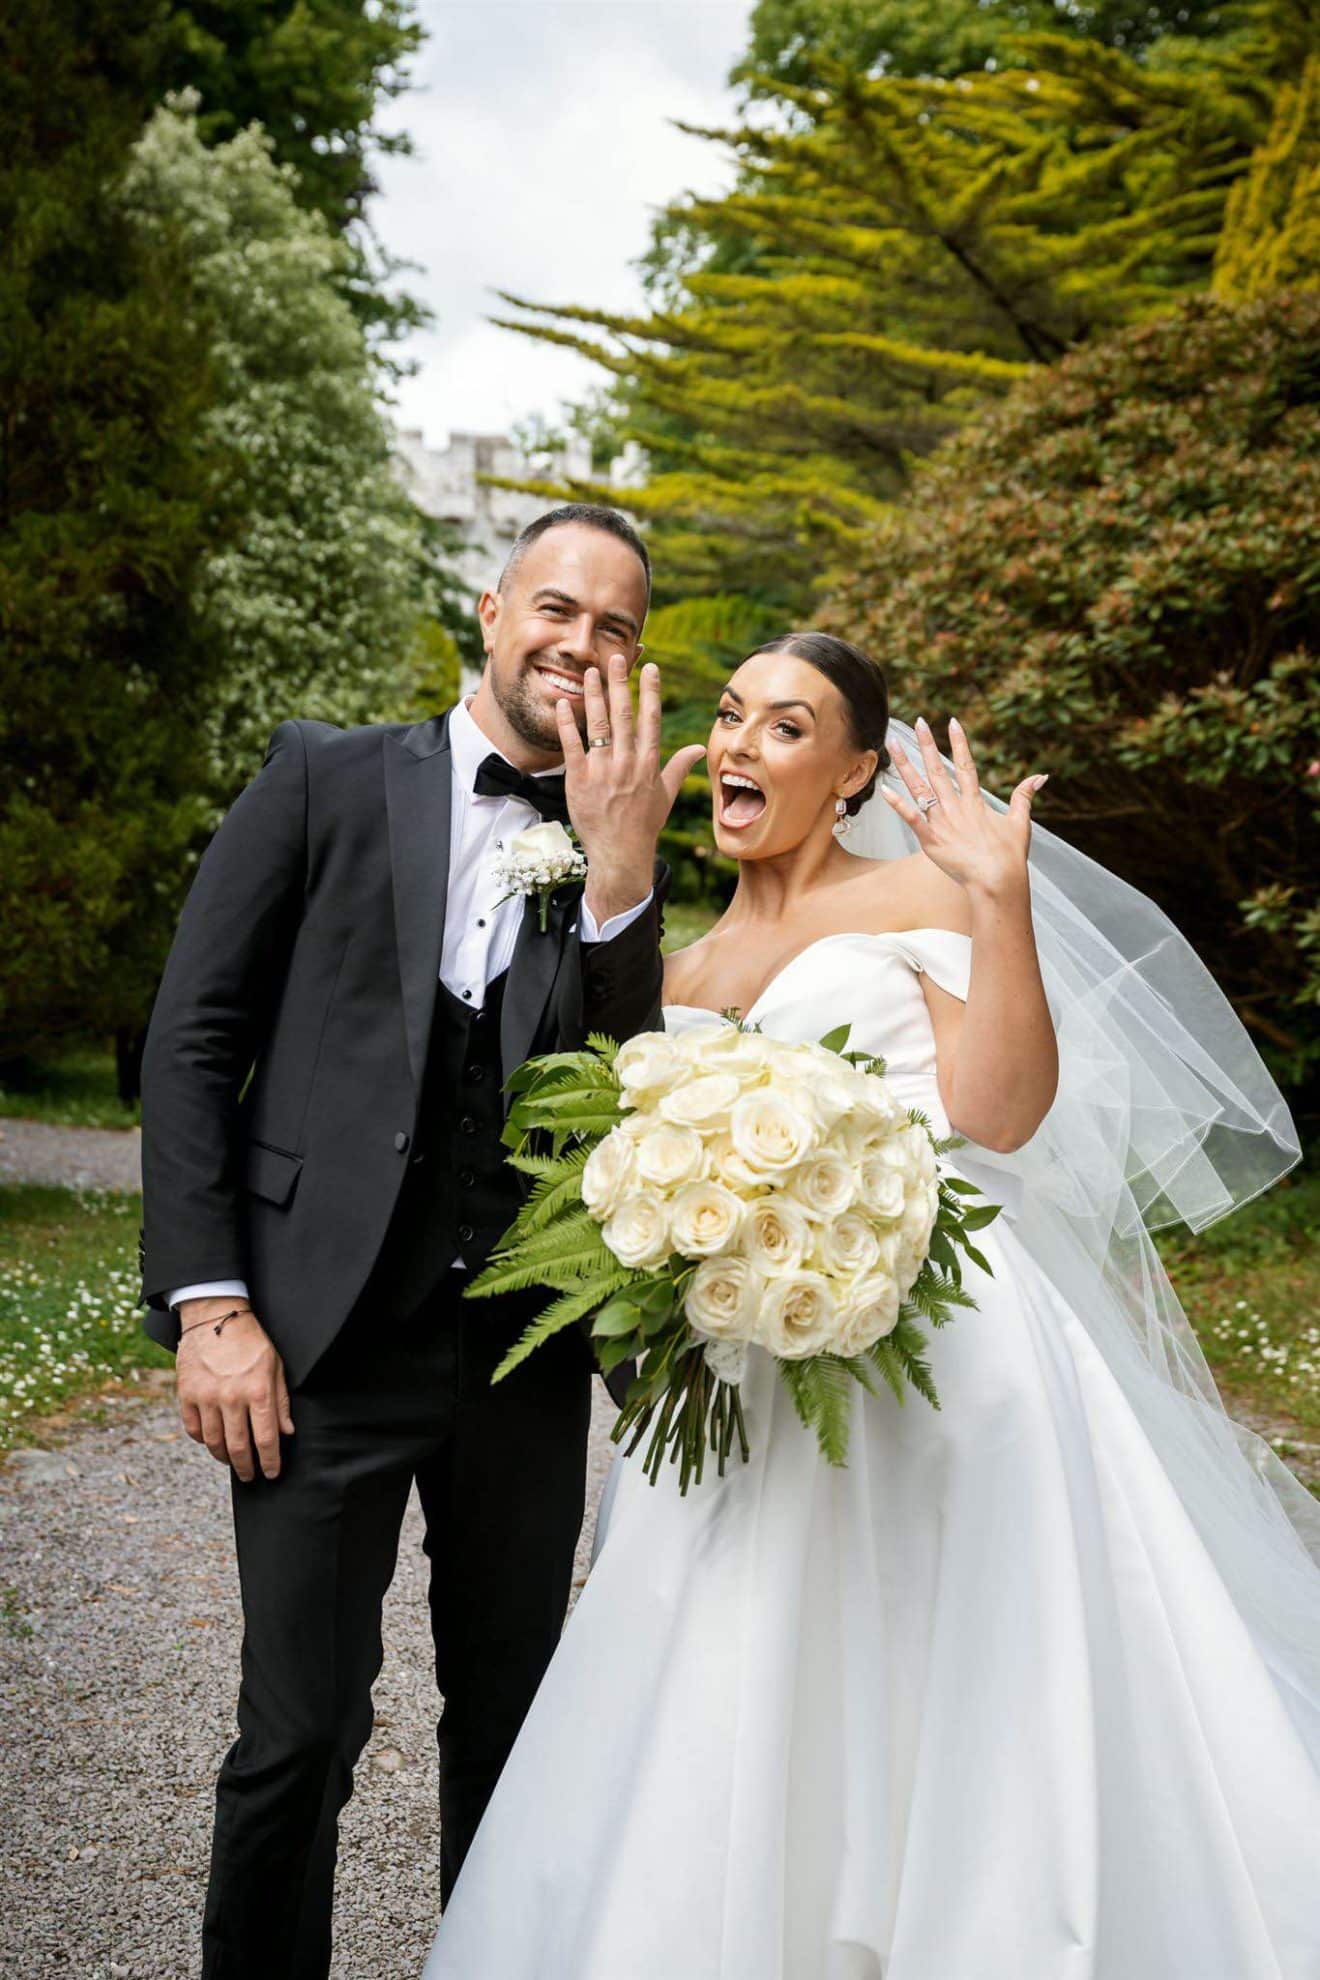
x=323 y=1174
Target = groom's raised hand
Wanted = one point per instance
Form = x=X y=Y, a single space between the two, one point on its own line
x=233 y=1396
x=619 y=794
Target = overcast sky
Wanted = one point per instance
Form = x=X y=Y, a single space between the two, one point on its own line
x=543 y=144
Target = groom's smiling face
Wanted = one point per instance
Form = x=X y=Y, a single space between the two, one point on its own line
x=575 y=596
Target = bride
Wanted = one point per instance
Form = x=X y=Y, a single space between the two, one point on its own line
x=1031 y=1689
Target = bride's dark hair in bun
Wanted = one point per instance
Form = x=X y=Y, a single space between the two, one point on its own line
x=860 y=682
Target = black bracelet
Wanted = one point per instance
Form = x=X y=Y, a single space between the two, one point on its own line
x=216 y=1325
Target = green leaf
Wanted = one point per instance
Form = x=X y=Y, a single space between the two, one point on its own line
x=979 y=1215
x=559 y=1314
x=822 y=1390
x=836 y=1040
x=620 y=1317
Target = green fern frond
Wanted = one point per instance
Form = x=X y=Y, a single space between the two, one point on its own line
x=561 y=1313
x=822 y=1389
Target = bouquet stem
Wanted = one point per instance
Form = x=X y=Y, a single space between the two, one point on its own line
x=696 y=1411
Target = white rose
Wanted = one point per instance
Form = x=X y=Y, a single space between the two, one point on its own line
x=724 y=1298
x=847 y=1247
x=638 y=1232
x=829 y=1083
x=919 y=1214
x=882 y=1190
x=546 y=844
x=910 y=1261
x=798 y=1316
x=723 y=1048
x=647 y=1064
x=607 y=1173
x=825 y=1185
x=668 y=1156
x=728 y=1166
x=874 y=1106
x=702 y=1102
x=704 y=1218
x=777 y=1235
x=870 y=1313
x=771 y=1134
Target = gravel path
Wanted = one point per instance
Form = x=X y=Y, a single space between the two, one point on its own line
x=70 y=1157
x=119 y=1634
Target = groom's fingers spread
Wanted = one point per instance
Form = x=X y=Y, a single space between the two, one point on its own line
x=569 y=739
x=593 y=701
x=648 y=711
x=680 y=764
x=621 y=721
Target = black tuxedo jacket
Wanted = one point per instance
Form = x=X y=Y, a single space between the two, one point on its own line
x=287 y=1045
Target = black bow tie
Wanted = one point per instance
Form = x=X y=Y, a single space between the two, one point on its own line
x=496 y=778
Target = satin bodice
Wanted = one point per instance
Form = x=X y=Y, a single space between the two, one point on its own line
x=870 y=983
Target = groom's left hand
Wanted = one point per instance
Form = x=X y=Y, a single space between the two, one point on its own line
x=619 y=795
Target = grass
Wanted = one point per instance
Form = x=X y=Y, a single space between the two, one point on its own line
x=1251 y=1286
x=73 y=1088
x=69 y=1320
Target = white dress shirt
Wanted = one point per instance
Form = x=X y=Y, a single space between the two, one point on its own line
x=479 y=935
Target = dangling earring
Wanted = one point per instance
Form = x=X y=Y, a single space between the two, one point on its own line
x=842 y=822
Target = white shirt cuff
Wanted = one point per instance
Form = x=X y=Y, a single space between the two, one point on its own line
x=210 y=1289
x=614 y=926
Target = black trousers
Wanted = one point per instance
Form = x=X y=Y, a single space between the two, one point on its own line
x=500 y=1472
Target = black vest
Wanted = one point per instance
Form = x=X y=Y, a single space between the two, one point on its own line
x=458 y=1196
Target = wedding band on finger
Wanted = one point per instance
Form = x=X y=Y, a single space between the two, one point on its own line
x=598 y=742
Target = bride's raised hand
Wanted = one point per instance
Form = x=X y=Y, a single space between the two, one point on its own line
x=978 y=847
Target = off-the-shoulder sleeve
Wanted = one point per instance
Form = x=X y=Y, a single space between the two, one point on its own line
x=945 y=956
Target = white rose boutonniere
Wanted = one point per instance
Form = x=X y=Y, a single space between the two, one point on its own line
x=536 y=862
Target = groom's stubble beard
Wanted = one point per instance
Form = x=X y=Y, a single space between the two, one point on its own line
x=524 y=711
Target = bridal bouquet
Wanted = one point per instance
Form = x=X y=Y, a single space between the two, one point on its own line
x=717 y=1190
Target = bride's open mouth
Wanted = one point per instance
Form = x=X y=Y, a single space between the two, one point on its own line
x=741 y=800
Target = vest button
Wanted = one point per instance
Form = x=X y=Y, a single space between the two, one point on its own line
x=401 y=1142
x=466 y=1178
x=476 y=1074
x=467 y=1125
x=465 y=1233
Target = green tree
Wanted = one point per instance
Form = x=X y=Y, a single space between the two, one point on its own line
x=1115 y=576
x=789 y=39
x=314 y=602
x=312 y=73
x=1271 y=237
x=911 y=249
x=104 y=523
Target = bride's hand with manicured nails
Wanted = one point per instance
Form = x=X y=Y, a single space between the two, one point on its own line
x=983 y=850
x=619 y=795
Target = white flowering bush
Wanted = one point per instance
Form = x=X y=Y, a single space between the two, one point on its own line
x=707 y=1195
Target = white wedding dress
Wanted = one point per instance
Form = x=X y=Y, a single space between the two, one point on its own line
x=979 y=1706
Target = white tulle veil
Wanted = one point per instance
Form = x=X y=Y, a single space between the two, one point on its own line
x=1164 y=1114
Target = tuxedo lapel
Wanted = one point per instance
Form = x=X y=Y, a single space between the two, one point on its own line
x=418 y=775
x=532 y=973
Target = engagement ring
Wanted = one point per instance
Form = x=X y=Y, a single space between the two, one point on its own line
x=925 y=804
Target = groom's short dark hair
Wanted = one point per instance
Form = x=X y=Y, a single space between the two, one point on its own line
x=594 y=517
